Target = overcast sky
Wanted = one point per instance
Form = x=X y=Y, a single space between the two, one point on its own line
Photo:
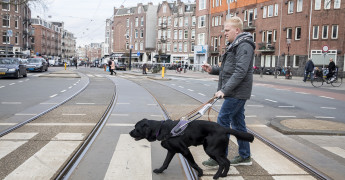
x=84 y=18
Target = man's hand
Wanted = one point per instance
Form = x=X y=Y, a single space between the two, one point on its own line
x=206 y=67
x=219 y=94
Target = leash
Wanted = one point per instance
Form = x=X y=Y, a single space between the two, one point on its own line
x=194 y=115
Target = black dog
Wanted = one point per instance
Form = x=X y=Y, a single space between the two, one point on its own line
x=210 y=134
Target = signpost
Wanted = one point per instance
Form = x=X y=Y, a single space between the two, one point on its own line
x=325 y=51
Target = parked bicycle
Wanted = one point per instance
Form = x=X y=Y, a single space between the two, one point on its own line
x=336 y=80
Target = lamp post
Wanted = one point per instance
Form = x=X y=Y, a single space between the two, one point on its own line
x=288 y=44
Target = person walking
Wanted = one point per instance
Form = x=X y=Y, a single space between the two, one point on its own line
x=112 y=67
x=144 y=68
x=308 y=70
x=109 y=66
x=331 y=69
x=234 y=85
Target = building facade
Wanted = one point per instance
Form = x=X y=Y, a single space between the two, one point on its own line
x=15 y=28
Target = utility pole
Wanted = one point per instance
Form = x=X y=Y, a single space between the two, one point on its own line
x=130 y=49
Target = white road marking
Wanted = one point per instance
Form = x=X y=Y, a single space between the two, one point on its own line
x=22 y=114
x=152 y=104
x=123 y=103
x=63 y=90
x=286 y=106
x=255 y=105
x=119 y=114
x=84 y=103
x=119 y=124
x=41 y=165
x=180 y=86
x=60 y=124
x=326 y=97
x=53 y=95
x=2 y=87
x=69 y=137
x=18 y=136
x=323 y=117
x=201 y=94
x=173 y=84
x=285 y=116
x=271 y=100
x=48 y=103
x=21 y=81
x=336 y=150
x=73 y=114
x=124 y=163
x=302 y=177
x=7 y=147
x=12 y=84
x=302 y=93
x=250 y=116
x=11 y=102
x=70 y=87
x=153 y=115
x=207 y=85
x=190 y=90
x=328 y=108
x=257 y=125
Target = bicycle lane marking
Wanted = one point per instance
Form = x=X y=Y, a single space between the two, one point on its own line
x=337 y=96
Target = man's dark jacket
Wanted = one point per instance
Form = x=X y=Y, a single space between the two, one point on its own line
x=236 y=71
x=309 y=67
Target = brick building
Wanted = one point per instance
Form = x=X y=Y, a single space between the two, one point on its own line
x=134 y=31
x=15 y=29
x=176 y=32
x=286 y=32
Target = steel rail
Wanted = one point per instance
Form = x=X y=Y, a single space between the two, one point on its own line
x=314 y=172
x=42 y=113
x=73 y=162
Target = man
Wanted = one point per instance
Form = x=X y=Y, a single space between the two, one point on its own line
x=110 y=62
x=235 y=84
x=331 y=69
x=308 y=70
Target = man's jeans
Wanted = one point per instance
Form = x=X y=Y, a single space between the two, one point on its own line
x=306 y=75
x=232 y=113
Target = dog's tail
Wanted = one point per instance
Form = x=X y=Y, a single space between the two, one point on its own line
x=241 y=135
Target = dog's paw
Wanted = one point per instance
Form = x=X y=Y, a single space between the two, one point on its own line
x=158 y=171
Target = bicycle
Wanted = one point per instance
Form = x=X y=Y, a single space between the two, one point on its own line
x=335 y=80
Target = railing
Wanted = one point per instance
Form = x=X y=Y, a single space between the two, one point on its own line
x=266 y=47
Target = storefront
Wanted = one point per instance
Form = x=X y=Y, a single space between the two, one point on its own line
x=200 y=56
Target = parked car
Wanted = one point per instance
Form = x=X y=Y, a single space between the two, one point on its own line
x=37 y=64
x=120 y=66
x=12 y=67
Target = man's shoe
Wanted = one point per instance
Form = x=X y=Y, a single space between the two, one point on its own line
x=239 y=161
x=210 y=163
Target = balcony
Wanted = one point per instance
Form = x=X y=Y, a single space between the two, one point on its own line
x=249 y=26
x=266 y=47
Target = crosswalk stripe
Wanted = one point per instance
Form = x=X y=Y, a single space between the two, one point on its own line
x=7 y=147
x=302 y=177
x=336 y=150
x=131 y=160
x=69 y=137
x=42 y=165
x=17 y=136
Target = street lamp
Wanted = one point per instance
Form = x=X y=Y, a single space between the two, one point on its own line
x=288 y=43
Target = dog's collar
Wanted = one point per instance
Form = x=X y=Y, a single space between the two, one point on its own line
x=159 y=129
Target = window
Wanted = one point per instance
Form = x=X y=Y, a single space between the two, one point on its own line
x=175 y=47
x=160 y=21
x=216 y=22
x=136 y=22
x=175 y=34
x=201 y=39
x=127 y=22
x=180 y=47
x=325 y=32
x=6 y=21
x=202 y=4
x=141 y=46
x=175 y=22
x=181 y=22
x=254 y=37
x=192 y=47
x=264 y=12
x=141 y=33
x=289 y=33
x=159 y=34
x=16 y=38
x=274 y=35
x=16 y=23
x=180 y=36
x=16 y=7
x=315 y=32
x=127 y=45
x=142 y=21
x=139 y=10
x=212 y=21
x=263 y=36
x=5 y=6
x=185 y=34
x=136 y=46
x=127 y=34
x=245 y=16
x=193 y=21
x=255 y=13
x=193 y=34
x=164 y=9
x=185 y=48
x=168 y=47
x=334 y=31
x=5 y=38
x=202 y=21
x=290 y=7
x=169 y=34
x=185 y=21
x=337 y=4
x=169 y=21
x=317 y=4
x=298 y=33
x=269 y=37
x=299 y=5
x=270 y=11
x=136 y=35
x=327 y=4
x=276 y=10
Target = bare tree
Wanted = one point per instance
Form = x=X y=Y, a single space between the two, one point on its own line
x=32 y=3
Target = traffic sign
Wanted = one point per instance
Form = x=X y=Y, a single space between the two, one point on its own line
x=138 y=53
x=325 y=48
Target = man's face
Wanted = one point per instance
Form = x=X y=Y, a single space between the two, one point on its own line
x=230 y=32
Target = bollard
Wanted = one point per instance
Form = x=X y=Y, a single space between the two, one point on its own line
x=65 y=65
x=105 y=67
x=163 y=70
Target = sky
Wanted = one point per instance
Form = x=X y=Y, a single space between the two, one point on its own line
x=84 y=18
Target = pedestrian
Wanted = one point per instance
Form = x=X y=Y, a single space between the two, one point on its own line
x=144 y=68
x=317 y=72
x=110 y=62
x=331 y=69
x=234 y=85
x=308 y=70
x=76 y=63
